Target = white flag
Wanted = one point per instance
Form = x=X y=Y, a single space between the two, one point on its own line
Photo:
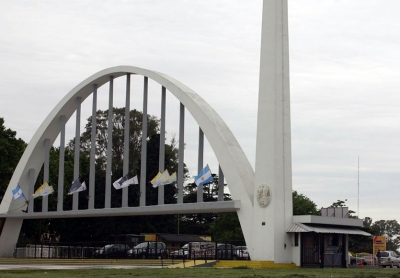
x=77 y=186
x=116 y=184
x=133 y=180
x=169 y=179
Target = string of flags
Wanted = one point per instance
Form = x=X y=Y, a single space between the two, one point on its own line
x=163 y=178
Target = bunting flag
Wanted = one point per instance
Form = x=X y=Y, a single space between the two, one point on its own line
x=17 y=193
x=204 y=176
x=158 y=179
x=43 y=190
x=169 y=179
x=116 y=184
x=77 y=186
x=133 y=180
x=125 y=181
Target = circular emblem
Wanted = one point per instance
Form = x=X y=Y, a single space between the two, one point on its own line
x=263 y=195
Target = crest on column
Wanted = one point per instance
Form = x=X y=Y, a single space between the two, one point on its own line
x=264 y=195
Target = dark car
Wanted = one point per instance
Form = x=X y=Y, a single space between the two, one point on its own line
x=226 y=251
x=146 y=250
x=112 y=251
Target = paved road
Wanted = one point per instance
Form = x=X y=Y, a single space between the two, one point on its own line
x=52 y=266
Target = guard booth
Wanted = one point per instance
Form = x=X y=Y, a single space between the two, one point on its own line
x=322 y=241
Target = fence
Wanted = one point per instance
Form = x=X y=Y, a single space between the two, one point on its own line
x=91 y=250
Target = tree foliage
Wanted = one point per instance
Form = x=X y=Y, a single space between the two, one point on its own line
x=85 y=229
x=302 y=205
x=199 y=223
x=11 y=150
x=341 y=203
x=226 y=227
x=390 y=229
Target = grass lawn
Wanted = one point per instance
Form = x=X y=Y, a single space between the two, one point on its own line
x=203 y=272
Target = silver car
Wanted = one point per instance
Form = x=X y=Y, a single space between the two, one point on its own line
x=242 y=253
x=389 y=258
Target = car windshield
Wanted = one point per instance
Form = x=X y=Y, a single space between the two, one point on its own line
x=384 y=254
x=141 y=245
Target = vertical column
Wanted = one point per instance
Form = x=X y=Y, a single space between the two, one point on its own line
x=45 y=199
x=181 y=154
x=273 y=172
x=109 y=145
x=144 y=146
x=31 y=189
x=125 y=166
x=60 y=198
x=200 y=156
x=75 y=198
x=92 y=166
x=220 y=184
x=161 y=163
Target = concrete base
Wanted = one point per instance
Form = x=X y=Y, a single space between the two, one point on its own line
x=253 y=264
x=9 y=237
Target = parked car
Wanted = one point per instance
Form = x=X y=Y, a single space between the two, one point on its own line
x=389 y=258
x=112 y=251
x=181 y=253
x=148 y=250
x=242 y=253
x=356 y=260
x=226 y=251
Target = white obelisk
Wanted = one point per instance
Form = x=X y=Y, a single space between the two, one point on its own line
x=273 y=169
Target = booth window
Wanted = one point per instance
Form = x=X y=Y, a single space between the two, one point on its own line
x=296 y=239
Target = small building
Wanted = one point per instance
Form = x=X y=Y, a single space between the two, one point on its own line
x=322 y=241
x=130 y=239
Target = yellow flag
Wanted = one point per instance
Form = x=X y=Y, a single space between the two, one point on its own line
x=43 y=190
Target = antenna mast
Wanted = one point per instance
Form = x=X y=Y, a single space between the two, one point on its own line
x=358 y=189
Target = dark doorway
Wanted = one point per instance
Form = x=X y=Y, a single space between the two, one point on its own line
x=323 y=250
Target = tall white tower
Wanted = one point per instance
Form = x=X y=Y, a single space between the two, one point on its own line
x=273 y=208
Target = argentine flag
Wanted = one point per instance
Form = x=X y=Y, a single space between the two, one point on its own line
x=204 y=177
x=17 y=192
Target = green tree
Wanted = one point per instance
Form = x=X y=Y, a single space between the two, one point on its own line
x=89 y=229
x=341 y=203
x=359 y=243
x=11 y=150
x=302 y=205
x=199 y=223
x=390 y=229
x=226 y=227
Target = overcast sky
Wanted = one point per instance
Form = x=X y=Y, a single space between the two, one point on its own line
x=344 y=70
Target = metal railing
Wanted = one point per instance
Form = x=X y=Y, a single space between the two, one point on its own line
x=123 y=250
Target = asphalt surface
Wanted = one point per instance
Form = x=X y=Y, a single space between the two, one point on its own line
x=52 y=266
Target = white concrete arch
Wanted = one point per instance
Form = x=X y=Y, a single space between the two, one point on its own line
x=234 y=163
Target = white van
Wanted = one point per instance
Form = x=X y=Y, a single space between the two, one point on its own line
x=201 y=249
